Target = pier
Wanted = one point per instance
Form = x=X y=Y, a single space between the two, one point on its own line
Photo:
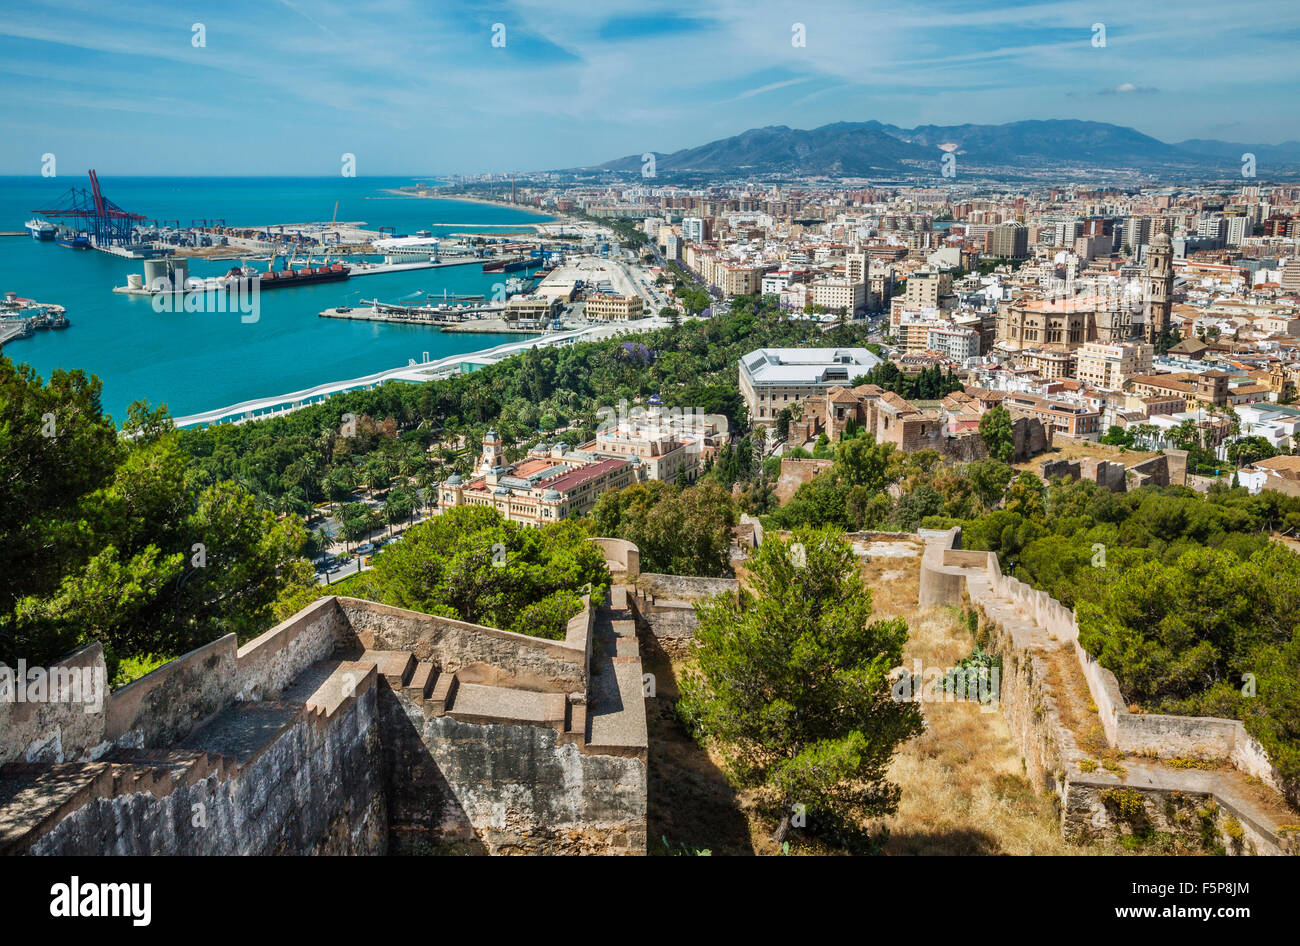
x=218 y=283
x=377 y=311
x=21 y=318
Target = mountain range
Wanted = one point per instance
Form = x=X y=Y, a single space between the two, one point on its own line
x=867 y=149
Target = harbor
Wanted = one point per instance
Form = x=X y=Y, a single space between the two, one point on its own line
x=191 y=361
x=22 y=318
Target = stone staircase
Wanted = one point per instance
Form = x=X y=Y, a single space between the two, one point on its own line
x=612 y=718
x=442 y=693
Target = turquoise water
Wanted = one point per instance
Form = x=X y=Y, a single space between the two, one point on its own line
x=200 y=361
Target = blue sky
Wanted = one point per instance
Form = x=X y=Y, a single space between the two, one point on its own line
x=285 y=88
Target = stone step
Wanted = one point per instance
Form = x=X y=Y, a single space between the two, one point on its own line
x=443 y=694
x=395 y=666
x=421 y=682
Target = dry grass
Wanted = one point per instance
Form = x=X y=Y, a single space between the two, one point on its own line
x=964 y=785
x=964 y=789
x=1080 y=449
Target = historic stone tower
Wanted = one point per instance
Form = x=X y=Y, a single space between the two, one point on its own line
x=1160 y=286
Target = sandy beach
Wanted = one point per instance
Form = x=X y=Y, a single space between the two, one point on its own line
x=427 y=195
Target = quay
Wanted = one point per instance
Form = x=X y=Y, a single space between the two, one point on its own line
x=218 y=283
x=20 y=318
x=378 y=311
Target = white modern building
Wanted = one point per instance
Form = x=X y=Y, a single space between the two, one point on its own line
x=775 y=378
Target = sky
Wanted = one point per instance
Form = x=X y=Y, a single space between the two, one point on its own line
x=287 y=87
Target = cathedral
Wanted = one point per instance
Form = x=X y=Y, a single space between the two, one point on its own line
x=1107 y=314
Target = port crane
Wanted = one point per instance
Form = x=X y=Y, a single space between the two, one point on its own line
x=106 y=222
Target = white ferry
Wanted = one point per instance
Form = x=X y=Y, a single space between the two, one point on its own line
x=40 y=229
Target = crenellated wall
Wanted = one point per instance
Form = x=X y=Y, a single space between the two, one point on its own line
x=508 y=659
x=1027 y=627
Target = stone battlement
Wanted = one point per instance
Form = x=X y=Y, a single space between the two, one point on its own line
x=352 y=727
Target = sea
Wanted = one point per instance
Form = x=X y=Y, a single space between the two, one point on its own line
x=193 y=362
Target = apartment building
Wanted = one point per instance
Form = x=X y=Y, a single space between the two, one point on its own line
x=1049 y=364
x=1072 y=420
x=926 y=288
x=1108 y=366
x=695 y=229
x=1009 y=241
x=606 y=307
x=954 y=342
x=839 y=295
x=738 y=279
x=1196 y=390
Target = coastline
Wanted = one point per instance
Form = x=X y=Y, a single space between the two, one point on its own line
x=472 y=200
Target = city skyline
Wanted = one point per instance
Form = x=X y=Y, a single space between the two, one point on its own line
x=409 y=90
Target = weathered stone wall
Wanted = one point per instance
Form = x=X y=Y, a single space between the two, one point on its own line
x=316 y=789
x=272 y=661
x=1029 y=437
x=1151 y=472
x=794 y=473
x=685 y=587
x=623 y=557
x=274 y=747
x=164 y=706
x=529 y=663
x=665 y=605
x=456 y=786
x=54 y=731
x=1018 y=623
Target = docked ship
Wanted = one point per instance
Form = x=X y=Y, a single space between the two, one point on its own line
x=510 y=264
x=73 y=241
x=20 y=317
x=40 y=229
x=330 y=272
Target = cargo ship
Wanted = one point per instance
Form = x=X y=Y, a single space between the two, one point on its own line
x=510 y=265
x=334 y=272
x=40 y=229
x=73 y=241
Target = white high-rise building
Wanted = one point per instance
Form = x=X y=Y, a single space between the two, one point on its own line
x=1238 y=229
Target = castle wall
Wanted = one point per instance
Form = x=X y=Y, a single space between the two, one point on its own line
x=442 y=735
x=315 y=789
x=464 y=787
x=794 y=473
x=1019 y=623
x=516 y=660
x=168 y=704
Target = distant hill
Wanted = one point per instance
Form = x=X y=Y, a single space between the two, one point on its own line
x=1288 y=152
x=872 y=148
x=843 y=149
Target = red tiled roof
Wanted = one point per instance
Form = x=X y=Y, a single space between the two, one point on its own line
x=567 y=481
